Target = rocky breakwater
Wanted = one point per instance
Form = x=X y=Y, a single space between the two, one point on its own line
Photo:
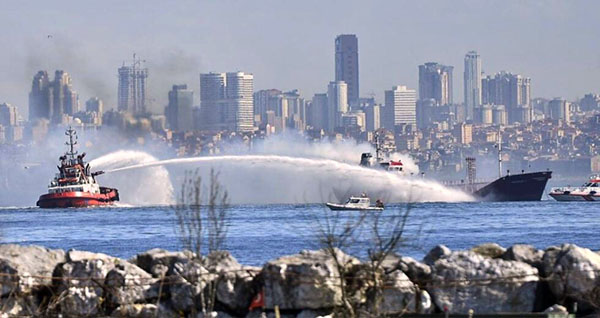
x=40 y=282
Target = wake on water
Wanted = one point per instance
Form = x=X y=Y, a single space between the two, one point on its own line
x=265 y=179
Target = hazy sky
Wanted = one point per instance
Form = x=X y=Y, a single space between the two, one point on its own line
x=289 y=44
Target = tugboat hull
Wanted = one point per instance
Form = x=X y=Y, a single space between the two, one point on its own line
x=77 y=199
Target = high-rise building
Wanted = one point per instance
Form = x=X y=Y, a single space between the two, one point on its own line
x=400 y=107
x=472 y=83
x=212 y=101
x=132 y=87
x=512 y=91
x=346 y=64
x=266 y=100
x=179 y=111
x=435 y=81
x=559 y=109
x=52 y=99
x=240 y=104
x=318 y=114
x=337 y=104
x=372 y=117
x=590 y=102
x=227 y=102
x=8 y=115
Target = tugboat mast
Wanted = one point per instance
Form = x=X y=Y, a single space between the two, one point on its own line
x=378 y=148
x=71 y=143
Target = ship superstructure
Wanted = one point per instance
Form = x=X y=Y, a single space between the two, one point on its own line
x=75 y=185
x=367 y=160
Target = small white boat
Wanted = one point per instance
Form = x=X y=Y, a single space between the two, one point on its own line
x=357 y=203
x=590 y=191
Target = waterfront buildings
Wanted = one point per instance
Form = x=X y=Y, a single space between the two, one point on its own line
x=472 y=83
x=435 y=81
x=132 y=87
x=346 y=65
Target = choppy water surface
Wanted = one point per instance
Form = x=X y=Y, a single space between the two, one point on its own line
x=258 y=233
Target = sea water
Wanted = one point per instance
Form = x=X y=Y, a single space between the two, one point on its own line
x=259 y=233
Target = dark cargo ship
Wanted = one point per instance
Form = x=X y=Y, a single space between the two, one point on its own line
x=510 y=187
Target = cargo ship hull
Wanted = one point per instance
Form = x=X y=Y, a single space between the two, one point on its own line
x=517 y=187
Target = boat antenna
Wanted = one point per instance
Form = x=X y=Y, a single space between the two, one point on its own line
x=499 y=146
x=71 y=143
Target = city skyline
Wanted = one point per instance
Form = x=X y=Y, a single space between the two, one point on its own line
x=90 y=51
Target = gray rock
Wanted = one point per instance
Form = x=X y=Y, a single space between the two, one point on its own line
x=234 y=281
x=158 y=261
x=575 y=275
x=186 y=283
x=491 y=250
x=549 y=260
x=436 y=253
x=524 y=253
x=143 y=311
x=399 y=294
x=31 y=266
x=466 y=280
x=79 y=286
x=417 y=272
x=308 y=280
x=20 y=306
x=127 y=283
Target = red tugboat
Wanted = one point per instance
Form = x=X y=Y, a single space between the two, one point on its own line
x=74 y=185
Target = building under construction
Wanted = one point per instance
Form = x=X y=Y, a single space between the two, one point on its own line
x=132 y=87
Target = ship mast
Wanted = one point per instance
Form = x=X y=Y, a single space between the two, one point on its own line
x=499 y=145
x=71 y=143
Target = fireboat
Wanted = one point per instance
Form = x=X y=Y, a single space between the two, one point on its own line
x=74 y=185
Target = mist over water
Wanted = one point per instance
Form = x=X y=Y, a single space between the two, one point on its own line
x=262 y=179
x=280 y=169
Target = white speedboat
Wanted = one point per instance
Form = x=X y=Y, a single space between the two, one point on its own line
x=590 y=191
x=357 y=203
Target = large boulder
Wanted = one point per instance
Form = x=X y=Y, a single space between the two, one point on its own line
x=186 y=283
x=159 y=262
x=491 y=250
x=126 y=283
x=24 y=267
x=235 y=283
x=436 y=253
x=308 y=280
x=466 y=280
x=575 y=274
x=80 y=286
x=524 y=253
x=399 y=294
